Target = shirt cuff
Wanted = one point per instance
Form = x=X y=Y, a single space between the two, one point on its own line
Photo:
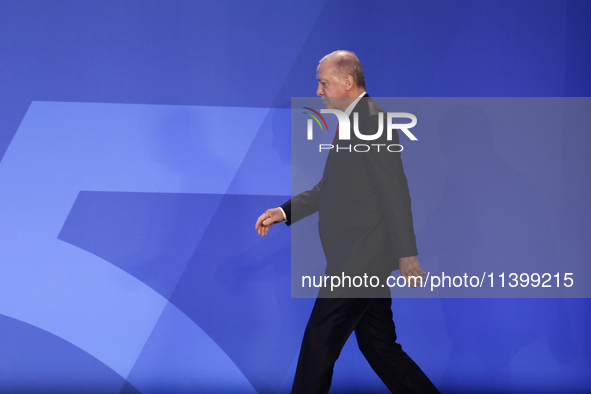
x=284 y=215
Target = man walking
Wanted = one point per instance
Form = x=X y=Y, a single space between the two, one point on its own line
x=365 y=224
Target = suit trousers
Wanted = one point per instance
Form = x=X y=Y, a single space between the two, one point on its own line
x=331 y=323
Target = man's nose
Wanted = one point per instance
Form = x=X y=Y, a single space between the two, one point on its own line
x=319 y=91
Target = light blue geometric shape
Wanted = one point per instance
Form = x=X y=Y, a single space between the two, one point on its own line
x=63 y=148
x=179 y=357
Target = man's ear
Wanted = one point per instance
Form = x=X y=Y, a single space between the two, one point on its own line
x=348 y=82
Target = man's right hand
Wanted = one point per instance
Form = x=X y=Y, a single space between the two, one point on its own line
x=269 y=218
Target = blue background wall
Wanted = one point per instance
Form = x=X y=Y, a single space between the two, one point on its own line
x=140 y=141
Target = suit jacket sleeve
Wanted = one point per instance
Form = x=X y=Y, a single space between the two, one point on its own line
x=305 y=204
x=387 y=175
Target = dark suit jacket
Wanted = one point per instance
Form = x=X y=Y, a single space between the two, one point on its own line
x=363 y=202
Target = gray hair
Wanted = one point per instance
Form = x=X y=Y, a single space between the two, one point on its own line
x=346 y=63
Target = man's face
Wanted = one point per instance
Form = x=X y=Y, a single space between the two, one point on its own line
x=330 y=87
